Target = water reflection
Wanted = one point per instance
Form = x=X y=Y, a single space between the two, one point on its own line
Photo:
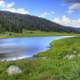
x=18 y=48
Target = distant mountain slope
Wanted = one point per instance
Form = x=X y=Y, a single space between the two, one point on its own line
x=13 y=22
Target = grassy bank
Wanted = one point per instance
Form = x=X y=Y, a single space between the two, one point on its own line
x=60 y=62
x=33 y=34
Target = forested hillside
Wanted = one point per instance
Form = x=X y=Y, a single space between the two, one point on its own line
x=13 y=22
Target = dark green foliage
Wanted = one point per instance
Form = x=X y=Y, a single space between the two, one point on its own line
x=13 y=22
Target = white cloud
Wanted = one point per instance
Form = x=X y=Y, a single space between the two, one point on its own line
x=46 y=14
x=66 y=21
x=74 y=7
x=2 y=4
x=52 y=12
x=11 y=7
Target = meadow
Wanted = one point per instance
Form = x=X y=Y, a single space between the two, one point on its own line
x=60 y=62
x=34 y=33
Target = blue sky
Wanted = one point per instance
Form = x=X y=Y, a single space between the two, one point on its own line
x=55 y=10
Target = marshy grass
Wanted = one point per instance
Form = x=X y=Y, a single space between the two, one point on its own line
x=54 y=67
x=35 y=34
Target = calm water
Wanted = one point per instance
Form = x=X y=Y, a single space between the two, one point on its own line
x=19 y=48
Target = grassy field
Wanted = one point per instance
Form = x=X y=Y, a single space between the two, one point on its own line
x=33 y=34
x=60 y=62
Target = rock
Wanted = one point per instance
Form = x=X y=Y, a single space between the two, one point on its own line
x=13 y=70
x=79 y=55
x=70 y=56
x=45 y=57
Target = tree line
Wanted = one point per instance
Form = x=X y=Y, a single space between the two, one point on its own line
x=14 y=22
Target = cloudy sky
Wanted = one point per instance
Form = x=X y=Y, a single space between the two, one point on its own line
x=60 y=11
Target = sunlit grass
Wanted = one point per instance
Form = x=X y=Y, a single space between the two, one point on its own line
x=34 y=33
x=54 y=67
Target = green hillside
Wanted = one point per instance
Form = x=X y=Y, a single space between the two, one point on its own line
x=13 y=22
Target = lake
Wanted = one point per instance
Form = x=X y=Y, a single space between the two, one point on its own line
x=20 y=48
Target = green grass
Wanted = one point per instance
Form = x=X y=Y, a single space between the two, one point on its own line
x=33 y=34
x=54 y=67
